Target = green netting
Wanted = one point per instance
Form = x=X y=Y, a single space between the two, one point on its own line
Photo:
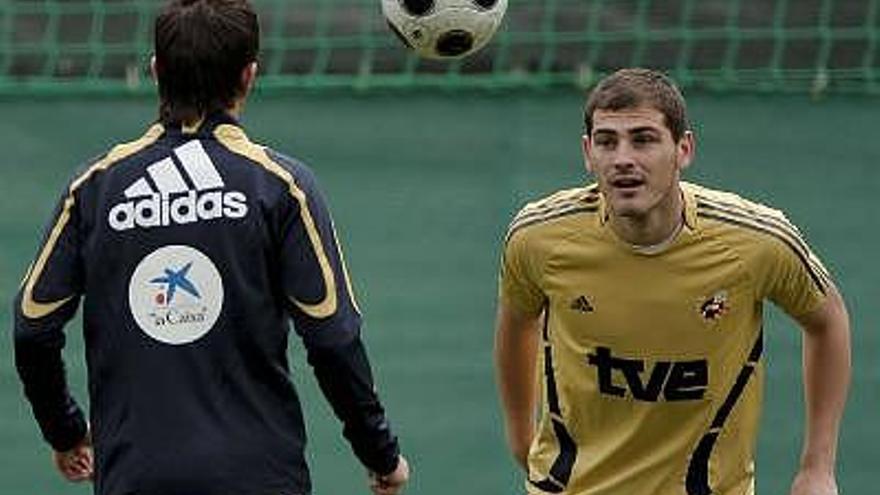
x=815 y=46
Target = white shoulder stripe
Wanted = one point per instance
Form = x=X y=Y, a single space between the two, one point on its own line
x=166 y=177
x=198 y=165
x=139 y=189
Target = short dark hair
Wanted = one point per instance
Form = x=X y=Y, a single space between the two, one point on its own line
x=631 y=88
x=201 y=48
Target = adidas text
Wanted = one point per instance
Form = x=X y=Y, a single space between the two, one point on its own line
x=158 y=210
x=170 y=200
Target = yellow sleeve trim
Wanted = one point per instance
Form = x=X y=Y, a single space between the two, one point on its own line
x=236 y=141
x=31 y=308
x=348 y=285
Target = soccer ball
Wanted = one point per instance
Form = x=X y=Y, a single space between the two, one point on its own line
x=444 y=29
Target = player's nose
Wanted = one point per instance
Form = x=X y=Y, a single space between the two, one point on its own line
x=623 y=158
x=623 y=162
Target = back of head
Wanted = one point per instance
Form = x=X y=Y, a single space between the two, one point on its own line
x=635 y=87
x=202 y=47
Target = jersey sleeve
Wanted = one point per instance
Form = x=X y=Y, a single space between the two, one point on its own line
x=519 y=277
x=313 y=275
x=48 y=298
x=793 y=277
x=325 y=314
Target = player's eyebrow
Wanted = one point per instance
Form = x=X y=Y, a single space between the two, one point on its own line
x=604 y=131
x=646 y=128
x=634 y=130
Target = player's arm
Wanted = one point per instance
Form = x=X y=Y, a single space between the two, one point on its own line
x=344 y=375
x=47 y=300
x=521 y=304
x=797 y=281
x=325 y=315
x=516 y=351
x=826 y=375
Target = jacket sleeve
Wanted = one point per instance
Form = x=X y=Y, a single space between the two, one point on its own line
x=325 y=315
x=343 y=373
x=47 y=300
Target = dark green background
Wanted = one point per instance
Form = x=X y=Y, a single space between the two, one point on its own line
x=422 y=187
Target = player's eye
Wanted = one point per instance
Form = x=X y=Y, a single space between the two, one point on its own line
x=644 y=139
x=605 y=142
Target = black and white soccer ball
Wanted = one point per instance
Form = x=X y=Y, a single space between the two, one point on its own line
x=444 y=29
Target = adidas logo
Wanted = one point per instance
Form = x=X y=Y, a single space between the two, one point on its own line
x=171 y=200
x=582 y=304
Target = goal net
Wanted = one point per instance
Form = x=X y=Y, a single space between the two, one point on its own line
x=103 y=46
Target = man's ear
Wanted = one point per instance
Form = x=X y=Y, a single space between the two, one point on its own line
x=687 y=148
x=248 y=77
x=154 y=70
x=586 y=148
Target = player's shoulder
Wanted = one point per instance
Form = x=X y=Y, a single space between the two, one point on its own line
x=293 y=172
x=715 y=205
x=747 y=223
x=557 y=214
x=116 y=154
x=708 y=199
x=296 y=167
x=269 y=161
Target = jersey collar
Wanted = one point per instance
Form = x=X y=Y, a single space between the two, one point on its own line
x=204 y=127
x=690 y=205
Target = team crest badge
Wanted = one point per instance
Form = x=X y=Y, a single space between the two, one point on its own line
x=715 y=307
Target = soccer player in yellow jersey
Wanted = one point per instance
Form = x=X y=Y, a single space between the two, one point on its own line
x=636 y=304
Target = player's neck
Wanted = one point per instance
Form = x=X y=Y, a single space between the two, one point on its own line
x=237 y=108
x=658 y=227
x=234 y=111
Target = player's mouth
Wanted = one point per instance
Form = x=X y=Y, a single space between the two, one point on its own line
x=627 y=184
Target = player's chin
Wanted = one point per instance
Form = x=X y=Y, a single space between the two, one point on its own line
x=629 y=206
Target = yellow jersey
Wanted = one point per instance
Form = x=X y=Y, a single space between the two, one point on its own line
x=651 y=358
